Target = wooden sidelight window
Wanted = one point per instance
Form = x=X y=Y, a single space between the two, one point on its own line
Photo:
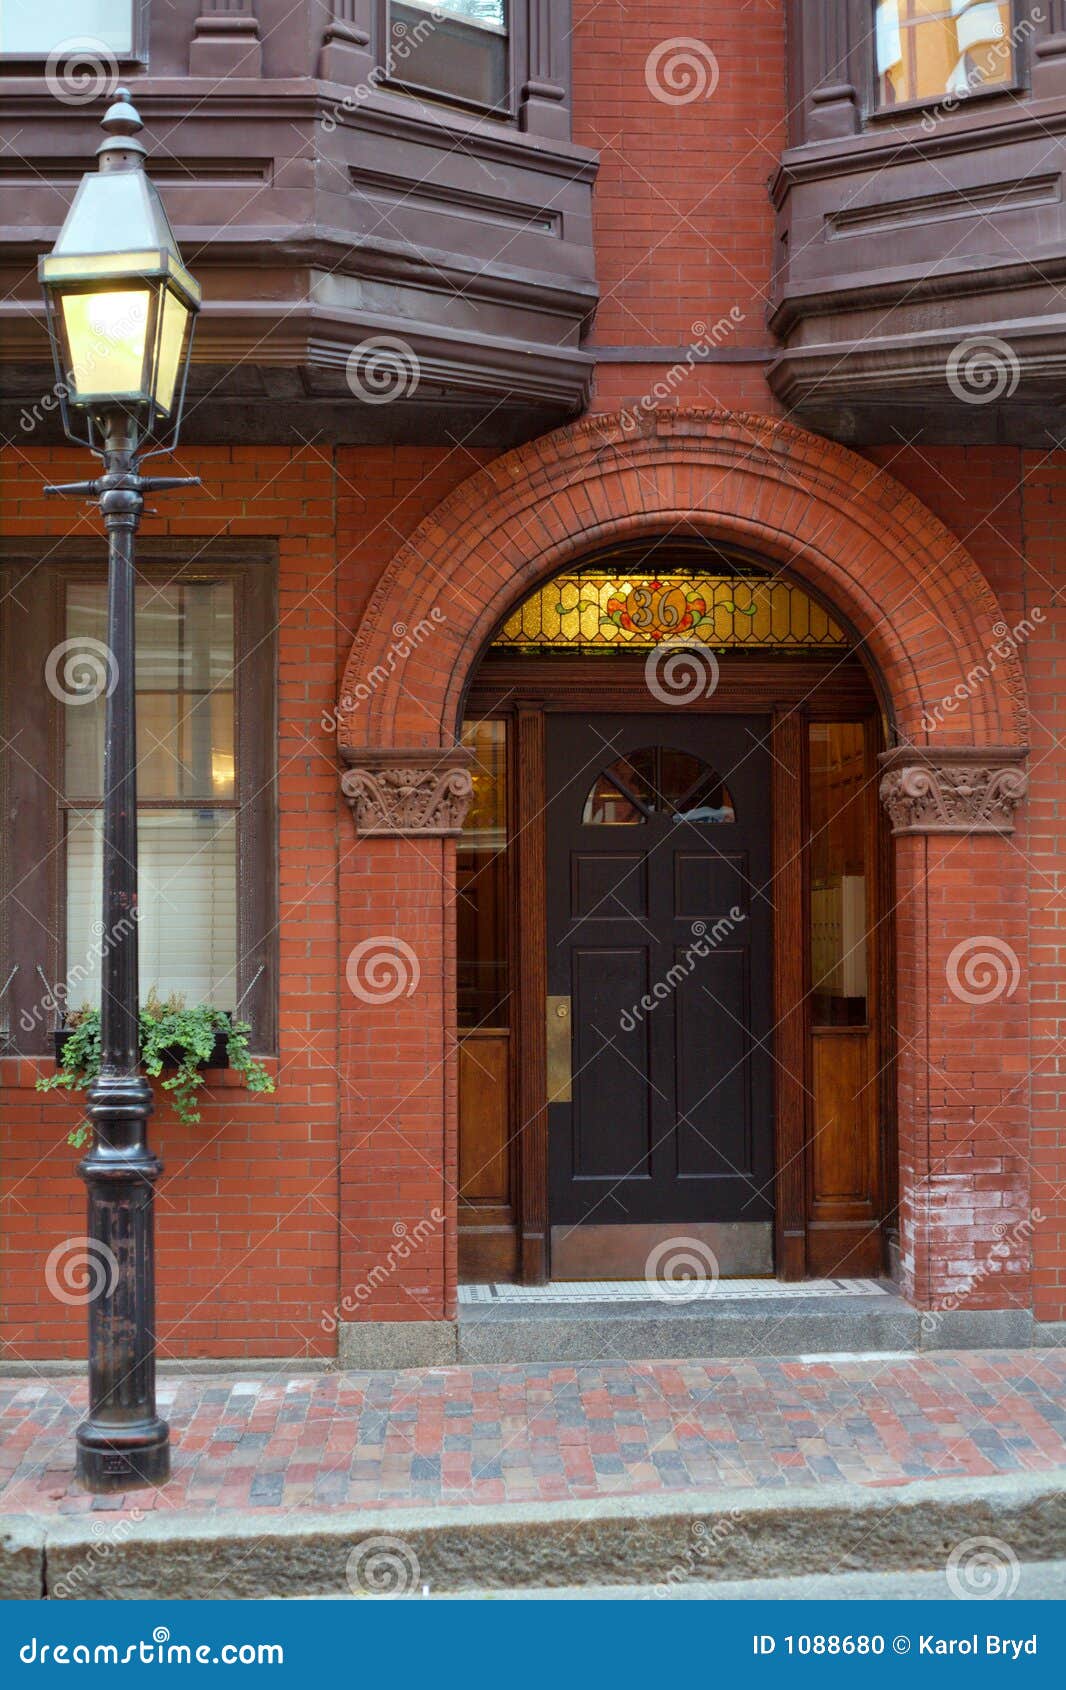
x=205 y=777
x=487 y=1173
x=844 y=1170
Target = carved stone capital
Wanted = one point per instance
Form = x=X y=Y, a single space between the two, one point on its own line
x=393 y=792
x=957 y=789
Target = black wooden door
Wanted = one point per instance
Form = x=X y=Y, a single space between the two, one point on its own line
x=658 y=841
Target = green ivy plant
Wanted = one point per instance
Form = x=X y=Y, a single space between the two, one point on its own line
x=172 y=1036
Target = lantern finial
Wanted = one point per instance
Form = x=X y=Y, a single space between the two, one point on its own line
x=121 y=122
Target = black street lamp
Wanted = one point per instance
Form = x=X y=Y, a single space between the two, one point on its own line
x=120 y=307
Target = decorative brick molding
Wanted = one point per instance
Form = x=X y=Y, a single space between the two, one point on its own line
x=961 y=789
x=843 y=525
x=398 y=792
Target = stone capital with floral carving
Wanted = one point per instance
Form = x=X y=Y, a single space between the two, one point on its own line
x=953 y=789
x=398 y=792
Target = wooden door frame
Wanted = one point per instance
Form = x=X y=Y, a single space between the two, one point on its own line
x=790 y=695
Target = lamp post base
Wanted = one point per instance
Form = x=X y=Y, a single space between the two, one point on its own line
x=124 y=1457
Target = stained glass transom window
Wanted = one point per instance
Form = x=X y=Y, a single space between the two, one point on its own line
x=593 y=610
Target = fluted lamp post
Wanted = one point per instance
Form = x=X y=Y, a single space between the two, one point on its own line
x=120 y=310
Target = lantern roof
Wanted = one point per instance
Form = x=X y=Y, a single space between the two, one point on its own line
x=117 y=222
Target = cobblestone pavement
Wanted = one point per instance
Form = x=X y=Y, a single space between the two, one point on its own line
x=508 y=1434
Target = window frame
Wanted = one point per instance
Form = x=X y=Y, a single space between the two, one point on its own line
x=135 y=59
x=517 y=54
x=874 y=112
x=32 y=604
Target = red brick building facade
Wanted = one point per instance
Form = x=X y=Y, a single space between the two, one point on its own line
x=328 y=1212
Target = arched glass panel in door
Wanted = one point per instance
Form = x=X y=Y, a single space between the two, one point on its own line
x=657 y=780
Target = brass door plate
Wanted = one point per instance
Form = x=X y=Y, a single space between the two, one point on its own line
x=559 y=1045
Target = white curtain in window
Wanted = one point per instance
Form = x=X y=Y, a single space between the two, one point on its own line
x=889 y=44
x=187 y=931
x=28 y=26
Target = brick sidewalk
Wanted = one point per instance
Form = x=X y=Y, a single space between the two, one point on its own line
x=510 y=1434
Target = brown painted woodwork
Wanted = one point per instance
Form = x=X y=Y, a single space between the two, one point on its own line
x=33 y=580
x=820 y=1223
x=829 y=688
x=530 y=990
x=845 y=1175
x=320 y=208
x=902 y=231
x=844 y=1220
x=621 y=1252
x=659 y=936
x=788 y=776
x=487 y=1229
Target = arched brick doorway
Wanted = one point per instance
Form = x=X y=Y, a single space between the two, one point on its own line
x=928 y=622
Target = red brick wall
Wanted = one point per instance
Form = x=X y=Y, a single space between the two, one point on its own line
x=253 y=1256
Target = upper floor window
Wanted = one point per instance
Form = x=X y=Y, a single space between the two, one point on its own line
x=30 y=29
x=454 y=49
x=931 y=49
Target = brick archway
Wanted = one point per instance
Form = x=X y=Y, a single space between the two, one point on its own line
x=925 y=613
x=928 y=621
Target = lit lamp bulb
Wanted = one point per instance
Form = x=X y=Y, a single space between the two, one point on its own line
x=119 y=316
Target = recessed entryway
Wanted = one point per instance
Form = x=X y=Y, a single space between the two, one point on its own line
x=672 y=961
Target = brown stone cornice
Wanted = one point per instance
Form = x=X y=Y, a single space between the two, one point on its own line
x=397 y=792
x=953 y=789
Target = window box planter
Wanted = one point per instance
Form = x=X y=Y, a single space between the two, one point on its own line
x=219 y=1057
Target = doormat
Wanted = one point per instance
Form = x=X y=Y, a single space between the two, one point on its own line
x=674 y=1290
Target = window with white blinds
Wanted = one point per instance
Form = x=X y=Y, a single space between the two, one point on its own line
x=186 y=788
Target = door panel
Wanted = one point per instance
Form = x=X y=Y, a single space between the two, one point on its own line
x=608 y=1083
x=661 y=941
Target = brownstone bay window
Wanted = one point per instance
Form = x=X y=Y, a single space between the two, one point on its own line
x=206 y=756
